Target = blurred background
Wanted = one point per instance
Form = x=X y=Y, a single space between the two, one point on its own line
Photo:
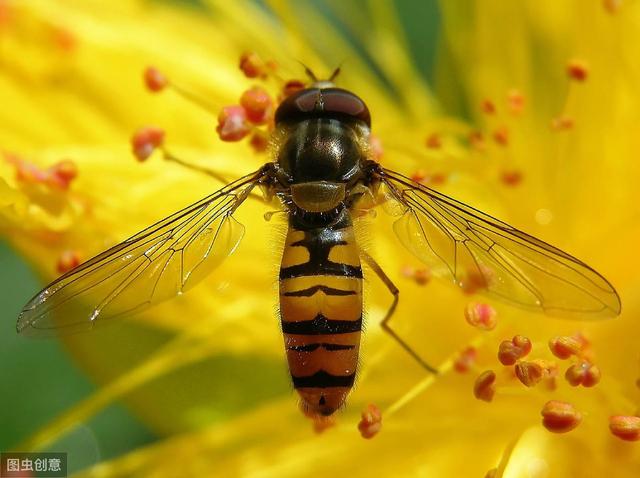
x=528 y=110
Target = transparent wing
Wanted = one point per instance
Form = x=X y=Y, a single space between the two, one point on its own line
x=484 y=254
x=158 y=263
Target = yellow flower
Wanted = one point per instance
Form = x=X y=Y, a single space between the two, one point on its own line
x=535 y=121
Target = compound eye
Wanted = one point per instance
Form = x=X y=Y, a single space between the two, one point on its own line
x=343 y=102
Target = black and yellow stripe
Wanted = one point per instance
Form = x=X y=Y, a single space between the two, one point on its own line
x=321 y=310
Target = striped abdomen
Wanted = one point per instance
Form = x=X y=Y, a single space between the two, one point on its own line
x=321 y=311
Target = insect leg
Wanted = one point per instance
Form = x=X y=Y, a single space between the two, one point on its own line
x=387 y=318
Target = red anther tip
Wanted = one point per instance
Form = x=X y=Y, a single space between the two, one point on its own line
x=482 y=316
x=145 y=141
x=67 y=261
x=291 y=87
x=577 y=70
x=583 y=373
x=252 y=65
x=501 y=136
x=232 y=123
x=371 y=422
x=532 y=372
x=476 y=141
x=257 y=104
x=62 y=173
x=433 y=141
x=155 y=80
x=625 y=427
x=488 y=107
x=560 y=417
x=515 y=101
x=564 y=347
x=465 y=360
x=259 y=141
x=510 y=351
x=562 y=123
x=511 y=177
x=422 y=276
x=484 y=387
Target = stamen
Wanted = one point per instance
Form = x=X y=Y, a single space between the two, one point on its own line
x=252 y=65
x=564 y=347
x=145 y=141
x=292 y=86
x=578 y=70
x=259 y=141
x=62 y=174
x=530 y=373
x=485 y=386
x=510 y=351
x=625 y=427
x=583 y=373
x=433 y=141
x=476 y=141
x=562 y=123
x=371 y=422
x=422 y=276
x=560 y=417
x=481 y=316
x=258 y=105
x=612 y=6
x=511 y=177
x=232 y=123
x=466 y=360
x=155 y=80
x=501 y=136
x=515 y=101
x=68 y=260
x=488 y=107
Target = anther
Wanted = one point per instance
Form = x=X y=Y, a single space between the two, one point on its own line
x=612 y=6
x=252 y=65
x=510 y=351
x=511 y=177
x=488 y=107
x=62 y=174
x=530 y=373
x=625 y=427
x=292 y=86
x=515 y=101
x=422 y=276
x=145 y=141
x=258 y=105
x=577 y=70
x=259 y=141
x=371 y=422
x=465 y=360
x=482 y=316
x=562 y=123
x=433 y=141
x=583 y=373
x=232 y=123
x=564 y=347
x=67 y=261
x=560 y=417
x=501 y=136
x=485 y=386
x=155 y=80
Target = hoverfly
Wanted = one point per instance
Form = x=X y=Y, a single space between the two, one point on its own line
x=322 y=172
